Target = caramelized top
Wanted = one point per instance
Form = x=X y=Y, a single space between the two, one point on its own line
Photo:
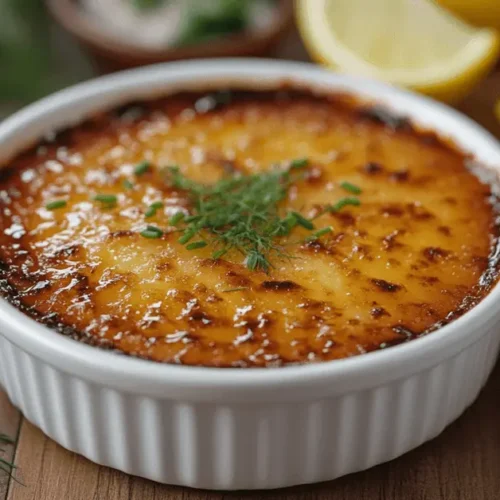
x=415 y=254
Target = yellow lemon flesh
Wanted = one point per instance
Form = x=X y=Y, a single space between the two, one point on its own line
x=415 y=44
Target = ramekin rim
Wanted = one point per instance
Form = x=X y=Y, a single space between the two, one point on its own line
x=100 y=364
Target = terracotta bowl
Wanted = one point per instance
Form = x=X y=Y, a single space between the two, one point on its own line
x=111 y=55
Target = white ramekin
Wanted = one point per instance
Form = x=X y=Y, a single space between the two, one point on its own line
x=243 y=428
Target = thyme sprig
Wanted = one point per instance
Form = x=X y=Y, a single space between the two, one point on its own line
x=241 y=212
x=5 y=466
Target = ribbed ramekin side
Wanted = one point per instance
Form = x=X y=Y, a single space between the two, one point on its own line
x=245 y=445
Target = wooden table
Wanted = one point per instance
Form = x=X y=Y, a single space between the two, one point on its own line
x=461 y=464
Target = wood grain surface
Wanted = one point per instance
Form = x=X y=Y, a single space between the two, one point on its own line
x=9 y=425
x=461 y=464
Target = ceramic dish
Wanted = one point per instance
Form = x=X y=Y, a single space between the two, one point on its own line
x=112 y=55
x=247 y=428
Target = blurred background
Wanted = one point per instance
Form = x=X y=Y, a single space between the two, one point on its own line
x=447 y=49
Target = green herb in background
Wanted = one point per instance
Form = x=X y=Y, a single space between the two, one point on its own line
x=29 y=51
x=147 y=4
x=224 y=18
x=207 y=19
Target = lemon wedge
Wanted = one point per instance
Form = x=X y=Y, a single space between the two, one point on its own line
x=477 y=12
x=412 y=43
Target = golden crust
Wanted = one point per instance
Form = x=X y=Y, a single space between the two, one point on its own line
x=414 y=255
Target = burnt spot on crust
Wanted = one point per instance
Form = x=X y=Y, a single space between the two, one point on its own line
x=314 y=175
x=238 y=279
x=428 y=281
x=430 y=139
x=434 y=254
x=418 y=212
x=280 y=286
x=345 y=218
x=378 y=312
x=201 y=317
x=363 y=251
x=400 y=176
x=372 y=168
x=383 y=116
x=121 y=234
x=386 y=286
x=389 y=241
x=393 y=210
x=317 y=247
x=444 y=230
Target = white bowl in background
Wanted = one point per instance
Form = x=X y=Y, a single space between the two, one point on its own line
x=243 y=428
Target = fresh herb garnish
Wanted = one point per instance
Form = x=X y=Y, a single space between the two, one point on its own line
x=152 y=232
x=197 y=244
x=106 y=199
x=239 y=289
x=176 y=218
x=344 y=202
x=142 y=168
x=127 y=184
x=299 y=163
x=153 y=208
x=54 y=205
x=147 y=4
x=241 y=212
x=302 y=221
x=352 y=188
x=319 y=233
x=5 y=466
x=337 y=207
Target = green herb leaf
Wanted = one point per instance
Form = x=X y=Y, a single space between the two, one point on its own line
x=176 y=218
x=344 y=202
x=147 y=4
x=5 y=466
x=240 y=212
x=299 y=163
x=188 y=235
x=319 y=233
x=205 y=22
x=127 y=184
x=152 y=232
x=4 y=439
x=257 y=261
x=107 y=199
x=142 y=168
x=54 y=205
x=196 y=244
x=302 y=221
x=352 y=188
x=153 y=208
x=217 y=255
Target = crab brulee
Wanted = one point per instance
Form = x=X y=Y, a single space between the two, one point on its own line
x=246 y=228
